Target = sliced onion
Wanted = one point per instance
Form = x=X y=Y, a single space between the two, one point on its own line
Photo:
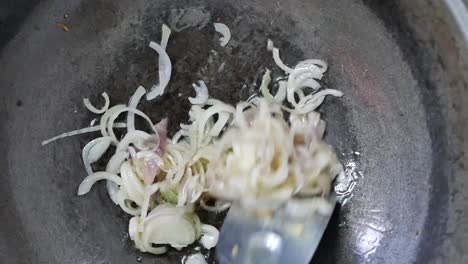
x=150 y=171
x=133 y=103
x=161 y=130
x=136 y=137
x=323 y=66
x=166 y=224
x=113 y=166
x=165 y=68
x=112 y=190
x=166 y=32
x=220 y=124
x=167 y=209
x=281 y=94
x=151 y=162
x=316 y=101
x=149 y=190
x=93 y=109
x=264 y=86
x=321 y=128
x=223 y=30
x=132 y=183
x=279 y=62
x=210 y=236
x=177 y=136
x=123 y=200
x=79 y=132
x=202 y=94
x=207 y=114
x=105 y=118
x=196 y=258
x=120 y=111
x=133 y=227
x=276 y=57
x=257 y=162
x=89 y=181
x=94 y=150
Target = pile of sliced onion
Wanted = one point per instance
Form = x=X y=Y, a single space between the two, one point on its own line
x=245 y=153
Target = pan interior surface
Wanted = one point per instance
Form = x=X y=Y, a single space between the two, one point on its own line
x=380 y=128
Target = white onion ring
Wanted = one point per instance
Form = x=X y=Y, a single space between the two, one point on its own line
x=222 y=121
x=105 y=118
x=281 y=94
x=89 y=181
x=113 y=166
x=93 y=109
x=93 y=151
x=79 y=132
x=132 y=183
x=133 y=103
x=136 y=137
x=208 y=113
x=124 y=109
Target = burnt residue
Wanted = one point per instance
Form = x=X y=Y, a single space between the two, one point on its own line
x=99 y=16
x=417 y=53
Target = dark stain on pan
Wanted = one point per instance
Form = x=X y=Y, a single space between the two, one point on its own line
x=99 y=16
x=416 y=56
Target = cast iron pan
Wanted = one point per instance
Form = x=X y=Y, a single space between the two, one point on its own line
x=400 y=128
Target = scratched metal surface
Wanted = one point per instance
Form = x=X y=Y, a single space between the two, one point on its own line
x=393 y=128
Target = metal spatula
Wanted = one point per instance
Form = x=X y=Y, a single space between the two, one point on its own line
x=249 y=239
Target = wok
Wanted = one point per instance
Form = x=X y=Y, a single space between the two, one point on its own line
x=400 y=129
